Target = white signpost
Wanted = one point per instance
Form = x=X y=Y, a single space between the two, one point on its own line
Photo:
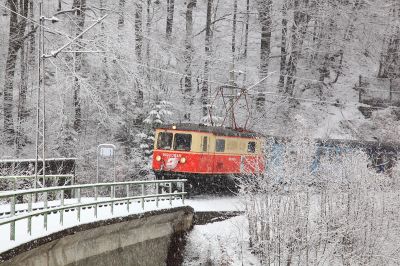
x=106 y=150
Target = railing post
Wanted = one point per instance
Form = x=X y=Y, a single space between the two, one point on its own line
x=157 y=194
x=29 y=211
x=62 y=211
x=96 y=192
x=127 y=195
x=170 y=192
x=112 y=197
x=45 y=207
x=183 y=191
x=72 y=183
x=12 y=213
x=78 y=191
x=142 y=196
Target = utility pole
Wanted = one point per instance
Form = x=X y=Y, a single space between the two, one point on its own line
x=41 y=95
x=232 y=83
x=40 y=103
x=231 y=96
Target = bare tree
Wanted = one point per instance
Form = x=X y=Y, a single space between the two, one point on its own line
x=121 y=18
x=246 y=32
x=234 y=22
x=188 y=55
x=32 y=45
x=170 y=17
x=207 y=49
x=265 y=17
x=389 y=65
x=15 y=42
x=138 y=47
x=314 y=203
x=298 y=32
x=283 y=45
x=79 y=6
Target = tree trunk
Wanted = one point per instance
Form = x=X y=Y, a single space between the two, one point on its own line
x=148 y=30
x=246 y=31
x=80 y=23
x=106 y=74
x=389 y=66
x=138 y=47
x=22 y=110
x=265 y=9
x=283 y=46
x=170 y=17
x=235 y=7
x=188 y=94
x=121 y=18
x=207 y=49
x=16 y=37
x=32 y=45
x=299 y=30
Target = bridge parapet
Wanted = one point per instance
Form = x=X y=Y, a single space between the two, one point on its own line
x=150 y=238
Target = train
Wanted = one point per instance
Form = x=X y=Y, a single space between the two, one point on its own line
x=208 y=156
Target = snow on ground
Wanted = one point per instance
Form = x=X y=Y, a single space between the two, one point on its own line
x=220 y=243
x=214 y=203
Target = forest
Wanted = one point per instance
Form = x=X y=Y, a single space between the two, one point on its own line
x=110 y=71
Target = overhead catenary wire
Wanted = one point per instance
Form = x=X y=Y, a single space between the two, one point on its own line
x=37 y=23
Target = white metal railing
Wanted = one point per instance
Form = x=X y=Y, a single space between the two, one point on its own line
x=142 y=185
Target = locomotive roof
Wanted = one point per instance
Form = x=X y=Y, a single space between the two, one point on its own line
x=220 y=131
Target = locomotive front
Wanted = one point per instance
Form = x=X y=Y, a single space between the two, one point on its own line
x=173 y=152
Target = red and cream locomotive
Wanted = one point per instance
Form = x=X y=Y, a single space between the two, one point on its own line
x=205 y=154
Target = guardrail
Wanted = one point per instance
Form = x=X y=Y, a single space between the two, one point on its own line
x=128 y=187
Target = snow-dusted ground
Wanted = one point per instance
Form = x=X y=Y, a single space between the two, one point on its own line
x=220 y=243
x=213 y=203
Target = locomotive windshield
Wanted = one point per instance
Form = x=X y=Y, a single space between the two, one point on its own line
x=183 y=142
x=164 y=141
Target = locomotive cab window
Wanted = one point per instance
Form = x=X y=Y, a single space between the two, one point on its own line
x=164 y=141
x=251 y=147
x=183 y=142
x=205 y=144
x=220 y=145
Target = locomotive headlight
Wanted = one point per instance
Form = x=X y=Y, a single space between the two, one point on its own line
x=183 y=160
x=158 y=158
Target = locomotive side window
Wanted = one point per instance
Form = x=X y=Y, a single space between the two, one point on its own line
x=205 y=144
x=183 y=142
x=251 y=147
x=164 y=141
x=220 y=145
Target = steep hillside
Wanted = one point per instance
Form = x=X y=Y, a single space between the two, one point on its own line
x=155 y=61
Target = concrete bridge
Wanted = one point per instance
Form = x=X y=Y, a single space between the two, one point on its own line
x=133 y=225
